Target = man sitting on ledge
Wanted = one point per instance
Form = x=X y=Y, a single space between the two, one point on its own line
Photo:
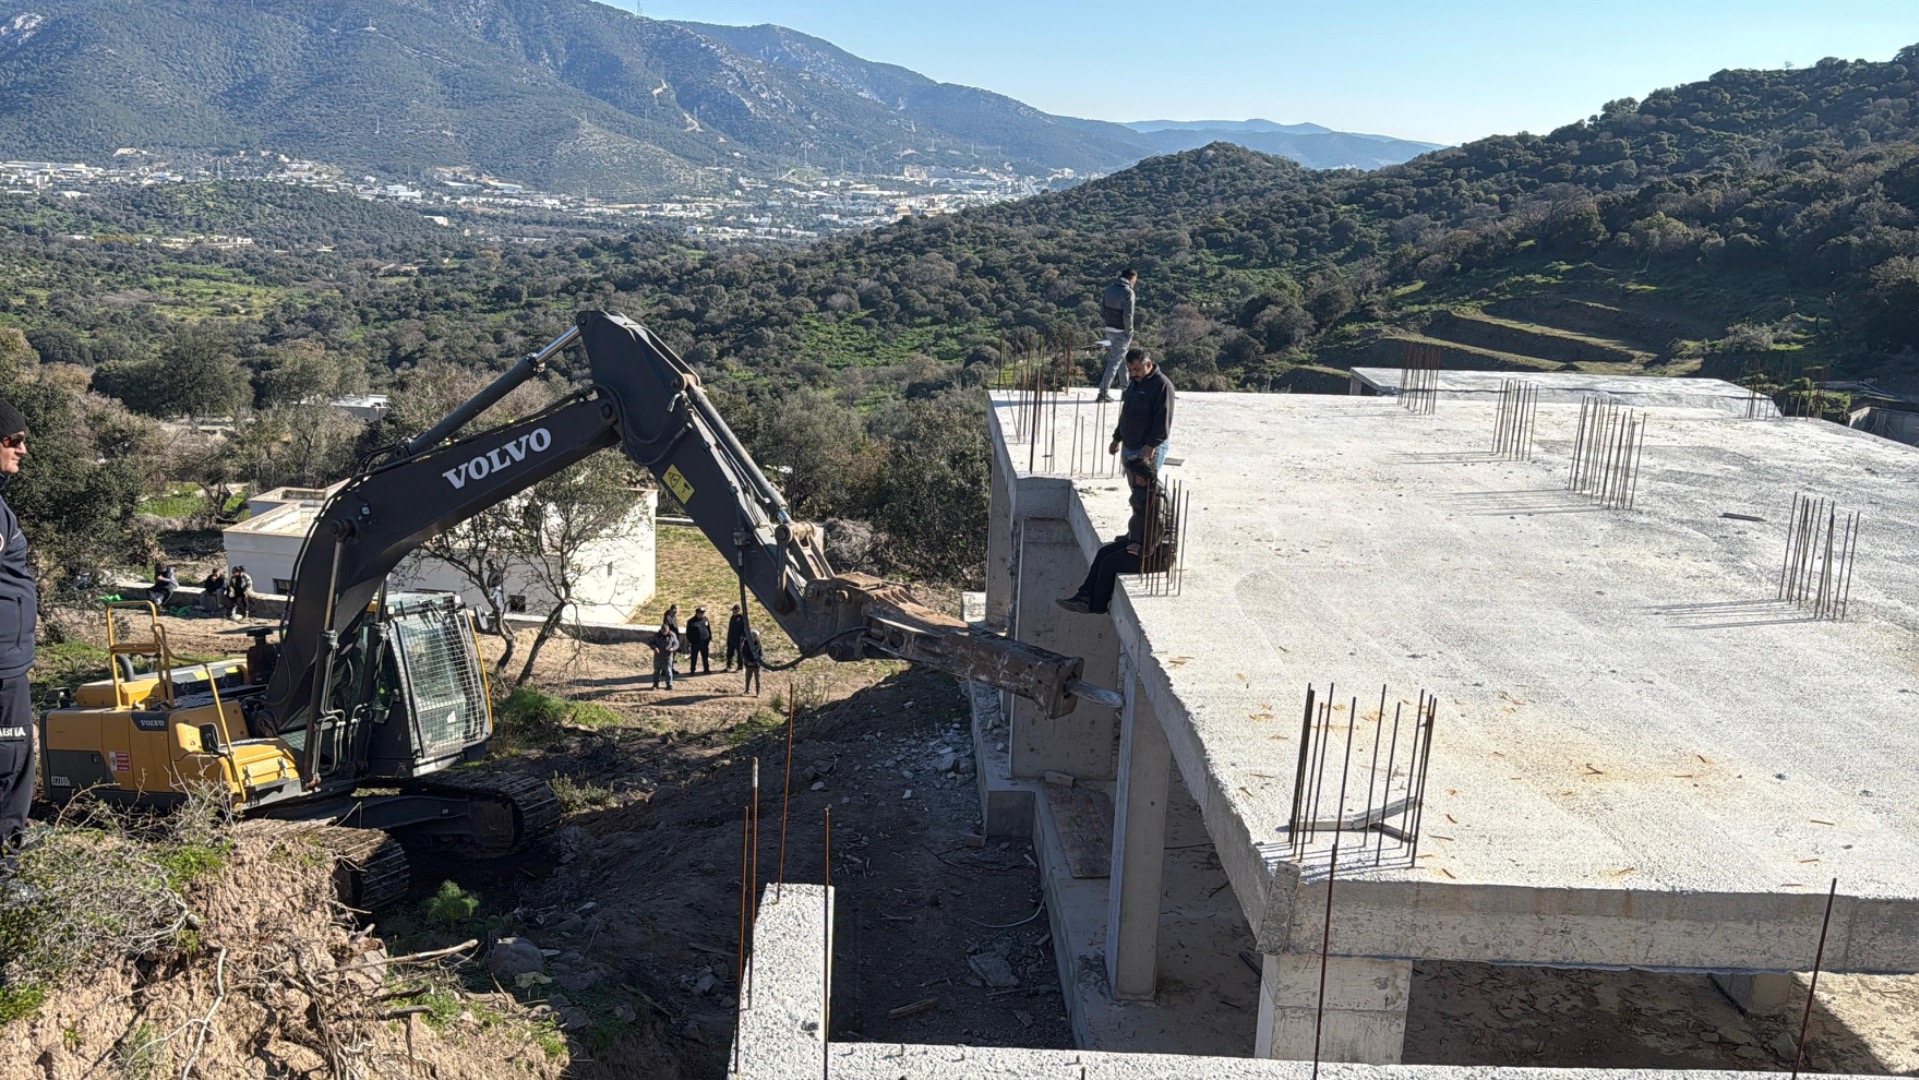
x=1148 y=542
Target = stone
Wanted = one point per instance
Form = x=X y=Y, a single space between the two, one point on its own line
x=946 y=762
x=625 y=1013
x=993 y=970
x=576 y=981
x=574 y=1019
x=908 y=795
x=1784 y=1045
x=512 y=957
x=1735 y=1035
x=818 y=785
x=705 y=984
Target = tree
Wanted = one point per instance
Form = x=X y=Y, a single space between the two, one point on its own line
x=930 y=502
x=556 y=521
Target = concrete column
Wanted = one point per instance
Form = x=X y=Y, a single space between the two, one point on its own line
x=1139 y=847
x=1762 y=994
x=1000 y=529
x=1365 y=1008
x=1081 y=742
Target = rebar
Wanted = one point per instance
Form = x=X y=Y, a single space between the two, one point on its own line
x=1812 y=988
x=786 y=795
x=1822 y=544
x=826 y=968
x=1419 y=379
x=1332 y=870
x=1395 y=787
x=1513 y=421
x=753 y=879
x=1608 y=444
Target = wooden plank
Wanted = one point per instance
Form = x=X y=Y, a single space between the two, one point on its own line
x=1085 y=819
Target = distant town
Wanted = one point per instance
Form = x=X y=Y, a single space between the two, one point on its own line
x=803 y=204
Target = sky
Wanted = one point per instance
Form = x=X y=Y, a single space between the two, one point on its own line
x=1443 y=71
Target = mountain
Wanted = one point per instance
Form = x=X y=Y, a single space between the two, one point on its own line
x=1228 y=125
x=1311 y=145
x=556 y=93
x=995 y=120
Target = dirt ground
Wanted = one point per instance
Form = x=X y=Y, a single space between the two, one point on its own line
x=640 y=890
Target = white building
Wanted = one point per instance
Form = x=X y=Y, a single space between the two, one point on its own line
x=618 y=575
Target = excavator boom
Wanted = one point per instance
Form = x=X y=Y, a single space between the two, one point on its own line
x=649 y=403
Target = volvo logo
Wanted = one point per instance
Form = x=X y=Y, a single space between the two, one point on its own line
x=500 y=458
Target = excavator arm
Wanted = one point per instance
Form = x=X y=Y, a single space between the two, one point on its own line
x=648 y=402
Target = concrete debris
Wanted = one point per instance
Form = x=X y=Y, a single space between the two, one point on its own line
x=512 y=957
x=993 y=970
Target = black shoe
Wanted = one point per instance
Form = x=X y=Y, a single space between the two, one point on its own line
x=1075 y=603
x=1104 y=398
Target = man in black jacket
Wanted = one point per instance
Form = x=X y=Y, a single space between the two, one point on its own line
x=1145 y=412
x=699 y=644
x=735 y=637
x=19 y=609
x=1148 y=543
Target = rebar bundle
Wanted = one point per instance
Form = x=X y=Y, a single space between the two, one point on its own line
x=1821 y=542
x=1606 y=449
x=1513 y=426
x=1419 y=379
x=1396 y=758
x=1162 y=555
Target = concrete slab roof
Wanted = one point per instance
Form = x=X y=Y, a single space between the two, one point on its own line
x=1641 y=757
x=1634 y=390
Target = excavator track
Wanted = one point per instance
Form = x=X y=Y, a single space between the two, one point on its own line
x=507 y=810
x=369 y=866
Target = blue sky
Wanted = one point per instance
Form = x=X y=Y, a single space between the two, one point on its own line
x=1441 y=70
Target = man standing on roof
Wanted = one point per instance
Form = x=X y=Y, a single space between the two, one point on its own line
x=1145 y=412
x=19 y=608
x=1116 y=313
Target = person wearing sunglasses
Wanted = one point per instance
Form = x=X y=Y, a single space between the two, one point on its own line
x=19 y=609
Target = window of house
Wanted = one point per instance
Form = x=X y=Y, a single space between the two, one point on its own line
x=283 y=586
x=516 y=603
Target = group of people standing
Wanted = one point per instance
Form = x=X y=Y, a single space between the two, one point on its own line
x=1140 y=438
x=228 y=597
x=696 y=640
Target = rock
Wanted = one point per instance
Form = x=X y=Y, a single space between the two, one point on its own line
x=1709 y=1036
x=625 y=1013
x=818 y=785
x=512 y=957
x=993 y=970
x=576 y=981
x=908 y=795
x=705 y=984
x=1784 y=1045
x=1752 y=1053
x=946 y=762
x=556 y=1002
x=573 y=842
x=1736 y=1035
x=575 y=1019
x=572 y=924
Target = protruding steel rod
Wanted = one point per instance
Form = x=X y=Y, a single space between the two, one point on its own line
x=1812 y=989
x=1332 y=870
x=826 y=968
x=1299 y=773
x=786 y=795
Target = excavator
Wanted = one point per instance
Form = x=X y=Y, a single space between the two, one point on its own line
x=365 y=720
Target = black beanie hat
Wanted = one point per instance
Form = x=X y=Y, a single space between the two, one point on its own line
x=12 y=420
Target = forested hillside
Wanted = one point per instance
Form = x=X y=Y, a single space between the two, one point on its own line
x=1761 y=220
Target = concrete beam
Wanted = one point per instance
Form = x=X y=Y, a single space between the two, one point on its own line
x=1139 y=849
x=1364 y=1008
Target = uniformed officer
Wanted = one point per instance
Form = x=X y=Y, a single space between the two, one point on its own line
x=19 y=608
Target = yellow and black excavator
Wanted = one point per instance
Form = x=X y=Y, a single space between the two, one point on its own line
x=356 y=718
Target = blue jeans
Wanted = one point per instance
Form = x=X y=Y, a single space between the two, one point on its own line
x=1159 y=458
x=1116 y=343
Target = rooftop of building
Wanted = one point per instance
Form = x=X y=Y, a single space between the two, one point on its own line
x=1626 y=714
x=1562 y=387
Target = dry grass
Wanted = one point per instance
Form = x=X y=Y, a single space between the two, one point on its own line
x=261 y=973
x=692 y=573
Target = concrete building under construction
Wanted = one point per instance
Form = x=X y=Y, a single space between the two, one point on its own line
x=1547 y=674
